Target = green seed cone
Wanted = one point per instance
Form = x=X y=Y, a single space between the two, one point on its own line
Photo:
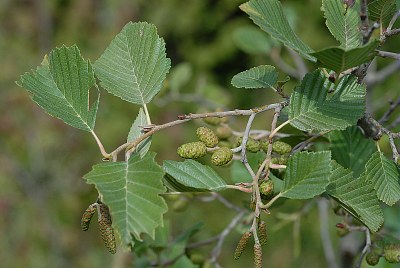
x=87 y=217
x=266 y=189
x=264 y=145
x=106 y=230
x=242 y=244
x=257 y=256
x=222 y=156
x=192 y=150
x=207 y=136
x=281 y=147
x=262 y=233
x=392 y=253
x=223 y=132
x=252 y=145
x=213 y=121
x=372 y=258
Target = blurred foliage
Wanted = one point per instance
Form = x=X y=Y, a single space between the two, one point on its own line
x=42 y=195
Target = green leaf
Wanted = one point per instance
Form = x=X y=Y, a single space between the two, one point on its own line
x=180 y=76
x=381 y=10
x=132 y=192
x=193 y=174
x=135 y=64
x=340 y=60
x=264 y=76
x=173 y=185
x=384 y=176
x=252 y=40
x=269 y=16
x=61 y=87
x=136 y=131
x=356 y=196
x=307 y=175
x=311 y=109
x=344 y=25
x=351 y=149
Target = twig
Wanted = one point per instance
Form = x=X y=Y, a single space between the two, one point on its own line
x=387 y=54
x=221 y=238
x=366 y=247
x=376 y=77
x=364 y=20
x=299 y=62
x=244 y=141
x=281 y=64
x=300 y=146
x=324 y=231
x=130 y=146
x=393 y=20
x=388 y=113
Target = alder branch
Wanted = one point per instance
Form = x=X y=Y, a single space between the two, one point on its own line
x=387 y=54
x=364 y=20
x=150 y=130
x=393 y=20
x=388 y=113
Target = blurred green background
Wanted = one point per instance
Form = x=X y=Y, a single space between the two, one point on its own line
x=42 y=161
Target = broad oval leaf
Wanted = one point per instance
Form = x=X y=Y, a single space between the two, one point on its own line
x=135 y=64
x=351 y=149
x=269 y=16
x=193 y=174
x=343 y=23
x=136 y=131
x=340 y=60
x=385 y=178
x=132 y=192
x=264 y=76
x=356 y=196
x=252 y=40
x=307 y=175
x=381 y=10
x=61 y=87
x=311 y=109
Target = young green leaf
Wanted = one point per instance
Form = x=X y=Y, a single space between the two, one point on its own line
x=136 y=131
x=264 y=76
x=356 y=196
x=61 y=87
x=135 y=64
x=252 y=40
x=384 y=176
x=193 y=174
x=269 y=16
x=344 y=25
x=307 y=175
x=339 y=59
x=310 y=109
x=132 y=192
x=351 y=149
x=381 y=11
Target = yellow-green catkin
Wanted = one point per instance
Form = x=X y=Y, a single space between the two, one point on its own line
x=257 y=256
x=106 y=230
x=242 y=244
x=262 y=233
x=87 y=217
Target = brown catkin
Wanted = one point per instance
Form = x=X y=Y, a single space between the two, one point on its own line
x=262 y=233
x=242 y=244
x=257 y=256
x=106 y=230
x=87 y=216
